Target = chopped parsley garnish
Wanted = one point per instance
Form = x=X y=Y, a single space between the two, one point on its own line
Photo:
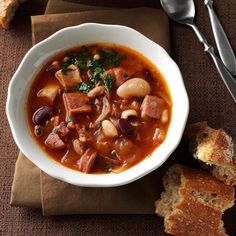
x=65 y=66
x=111 y=58
x=83 y=59
x=108 y=82
x=81 y=64
x=77 y=58
x=98 y=71
x=97 y=68
x=85 y=87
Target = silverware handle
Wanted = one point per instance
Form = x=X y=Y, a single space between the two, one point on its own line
x=222 y=42
x=228 y=79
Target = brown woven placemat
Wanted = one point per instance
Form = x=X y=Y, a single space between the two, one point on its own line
x=209 y=100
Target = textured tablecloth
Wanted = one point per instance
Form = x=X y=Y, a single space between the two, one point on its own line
x=209 y=100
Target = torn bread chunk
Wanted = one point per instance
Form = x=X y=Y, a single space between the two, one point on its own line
x=193 y=202
x=7 y=11
x=215 y=148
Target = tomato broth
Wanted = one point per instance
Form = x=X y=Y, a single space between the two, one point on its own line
x=99 y=108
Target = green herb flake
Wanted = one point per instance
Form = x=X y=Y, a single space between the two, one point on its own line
x=53 y=72
x=65 y=66
x=108 y=82
x=85 y=87
x=80 y=63
x=100 y=126
x=106 y=168
x=113 y=154
x=58 y=110
x=126 y=75
x=111 y=58
x=97 y=68
x=68 y=119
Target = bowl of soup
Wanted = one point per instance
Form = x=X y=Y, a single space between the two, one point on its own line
x=97 y=105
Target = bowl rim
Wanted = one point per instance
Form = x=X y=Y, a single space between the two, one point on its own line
x=60 y=176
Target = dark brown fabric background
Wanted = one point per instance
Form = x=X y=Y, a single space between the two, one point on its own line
x=209 y=100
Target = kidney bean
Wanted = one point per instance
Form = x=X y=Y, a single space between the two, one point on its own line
x=42 y=115
x=126 y=128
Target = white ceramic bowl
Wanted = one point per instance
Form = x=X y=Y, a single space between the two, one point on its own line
x=87 y=33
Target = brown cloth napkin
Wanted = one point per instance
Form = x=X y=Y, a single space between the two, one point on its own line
x=32 y=188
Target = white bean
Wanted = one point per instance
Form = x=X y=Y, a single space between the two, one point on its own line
x=109 y=129
x=164 y=116
x=135 y=87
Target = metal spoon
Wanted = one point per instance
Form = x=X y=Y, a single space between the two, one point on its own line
x=183 y=12
x=222 y=42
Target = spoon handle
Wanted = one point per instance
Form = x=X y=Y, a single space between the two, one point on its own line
x=222 y=42
x=228 y=79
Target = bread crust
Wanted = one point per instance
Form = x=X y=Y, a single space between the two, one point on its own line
x=7 y=11
x=192 y=218
x=193 y=202
x=214 y=147
x=201 y=181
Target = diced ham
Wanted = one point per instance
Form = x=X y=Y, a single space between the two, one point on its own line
x=152 y=107
x=69 y=79
x=119 y=74
x=76 y=103
x=87 y=160
x=110 y=160
x=53 y=141
x=62 y=130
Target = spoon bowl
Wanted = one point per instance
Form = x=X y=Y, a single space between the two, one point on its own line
x=181 y=11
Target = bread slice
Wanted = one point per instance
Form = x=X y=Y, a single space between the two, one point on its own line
x=193 y=202
x=214 y=147
x=7 y=11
